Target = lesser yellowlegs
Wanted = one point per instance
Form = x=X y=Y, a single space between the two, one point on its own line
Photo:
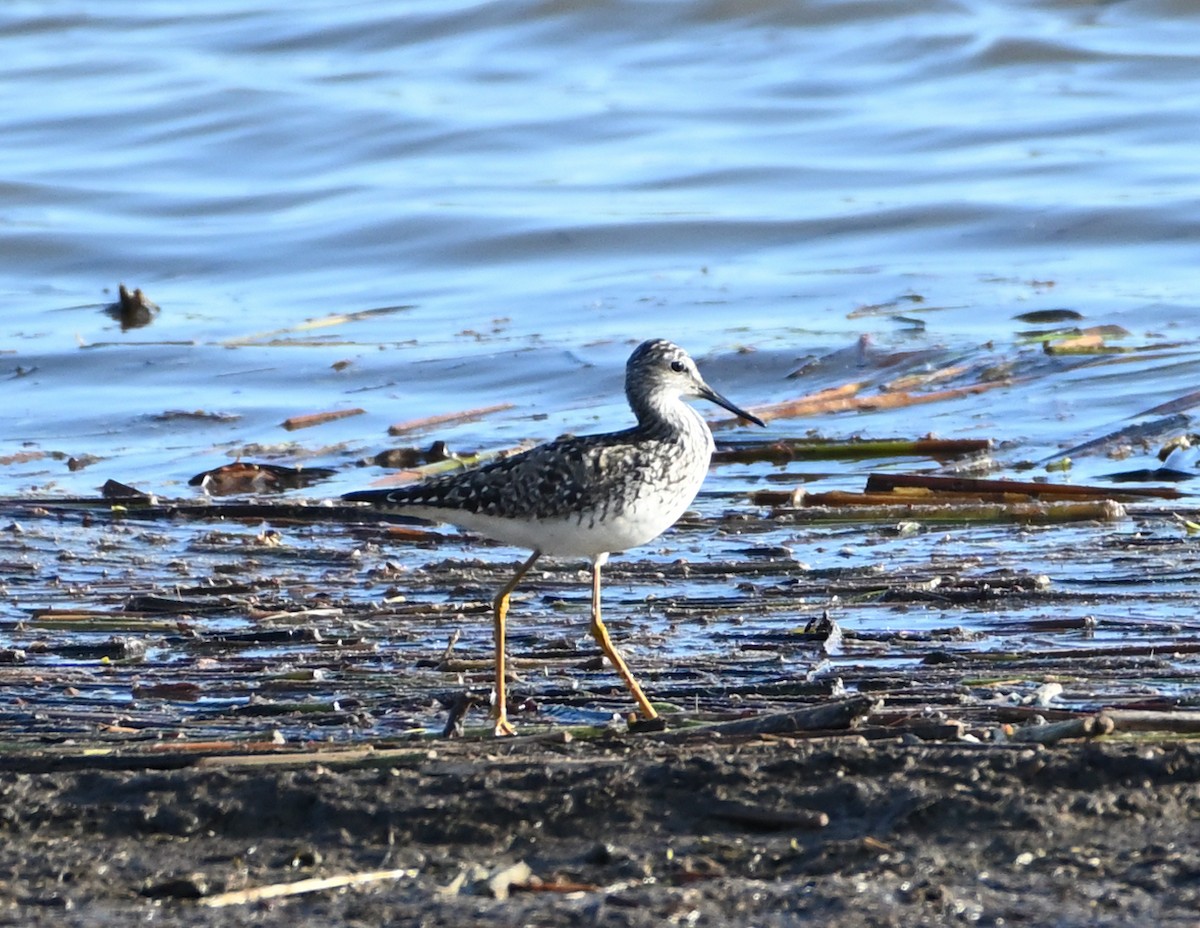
x=584 y=497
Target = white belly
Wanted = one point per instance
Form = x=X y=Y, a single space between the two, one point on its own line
x=587 y=534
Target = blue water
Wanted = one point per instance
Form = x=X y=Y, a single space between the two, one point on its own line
x=542 y=184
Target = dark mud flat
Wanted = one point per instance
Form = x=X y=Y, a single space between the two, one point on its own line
x=203 y=705
x=624 y=832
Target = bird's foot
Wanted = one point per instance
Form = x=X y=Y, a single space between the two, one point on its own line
x=503 y=729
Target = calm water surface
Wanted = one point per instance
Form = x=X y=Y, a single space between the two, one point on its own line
x=537 y=185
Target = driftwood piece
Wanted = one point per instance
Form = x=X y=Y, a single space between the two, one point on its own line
x=308 y=420
x=1185 y=722
x=278 y=890
x=838 y=505
x=782 y=451
x=887 y=483
x=841 y=715
x=447 y=418
x=1089 y=726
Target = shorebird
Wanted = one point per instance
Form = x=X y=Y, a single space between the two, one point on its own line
x=586 y=496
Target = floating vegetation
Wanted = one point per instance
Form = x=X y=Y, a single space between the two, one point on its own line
x=247 y=478
x=309 y=627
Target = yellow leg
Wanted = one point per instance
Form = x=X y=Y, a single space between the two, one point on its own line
x=600 y=633
x=500 y=611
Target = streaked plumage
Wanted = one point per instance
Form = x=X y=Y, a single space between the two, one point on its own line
x=585 y=496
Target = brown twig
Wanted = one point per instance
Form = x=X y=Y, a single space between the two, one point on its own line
x=319 y=418
x=448 y=418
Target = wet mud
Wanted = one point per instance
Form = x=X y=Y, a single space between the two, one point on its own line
x=622 y=831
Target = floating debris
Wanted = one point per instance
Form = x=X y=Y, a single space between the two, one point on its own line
x=981 y=488
x=404 y=458
x=81 y=461
x=1137 y=433
x=309 y=420
x=176 y=415
x=1096 y=340
x=310 y=325
x=114 y=489
x=22 y=457
x=1049 y=316
x=845 y=399
x=132 y=310
x=246 y=478
x=837 y=505
x=447 y=418
x=783 y=451
x=1179 y=404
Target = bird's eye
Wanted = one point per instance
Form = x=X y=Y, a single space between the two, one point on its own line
x=677 y=367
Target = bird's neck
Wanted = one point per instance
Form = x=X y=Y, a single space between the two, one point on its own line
x=668 y=418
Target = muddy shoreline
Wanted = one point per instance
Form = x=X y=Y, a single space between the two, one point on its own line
x=623 y=831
